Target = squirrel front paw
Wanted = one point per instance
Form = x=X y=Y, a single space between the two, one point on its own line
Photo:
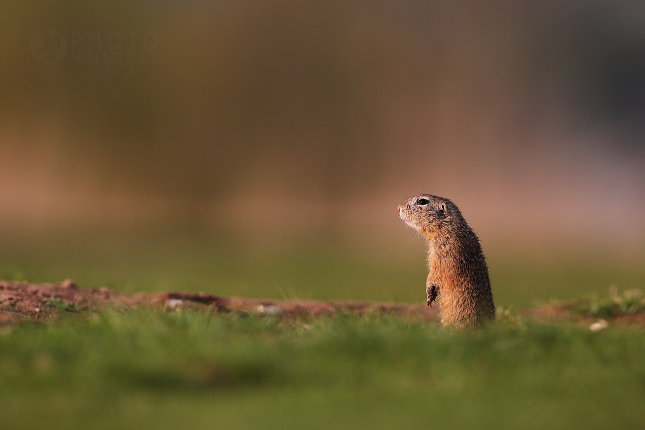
x=431 y=292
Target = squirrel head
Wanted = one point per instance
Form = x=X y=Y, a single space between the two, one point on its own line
x=429 y=214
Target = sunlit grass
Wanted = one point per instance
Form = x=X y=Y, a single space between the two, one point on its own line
x=146 y=369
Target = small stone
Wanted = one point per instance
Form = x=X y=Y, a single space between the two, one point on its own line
x=268 y=310
x=599 y=325
x=173 y=303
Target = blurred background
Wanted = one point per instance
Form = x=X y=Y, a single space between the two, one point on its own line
x=260 y=148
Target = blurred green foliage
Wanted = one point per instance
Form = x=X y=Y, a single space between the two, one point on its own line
x=315 y=119
x=628 y=302
x=312 y=267
x=143 y=369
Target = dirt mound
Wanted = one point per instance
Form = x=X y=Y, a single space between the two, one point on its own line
x=21 y=300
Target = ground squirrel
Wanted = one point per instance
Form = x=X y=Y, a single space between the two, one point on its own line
x=458 y=272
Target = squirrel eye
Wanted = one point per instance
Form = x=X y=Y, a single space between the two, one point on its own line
x=423 y=202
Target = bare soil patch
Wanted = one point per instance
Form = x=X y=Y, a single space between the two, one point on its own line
x=20 y=300
x=23 y=300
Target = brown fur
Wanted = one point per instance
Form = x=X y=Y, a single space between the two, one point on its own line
x=458 y=271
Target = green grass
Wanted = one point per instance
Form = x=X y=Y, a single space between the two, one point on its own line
x=320 y=268
x=149 y=370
